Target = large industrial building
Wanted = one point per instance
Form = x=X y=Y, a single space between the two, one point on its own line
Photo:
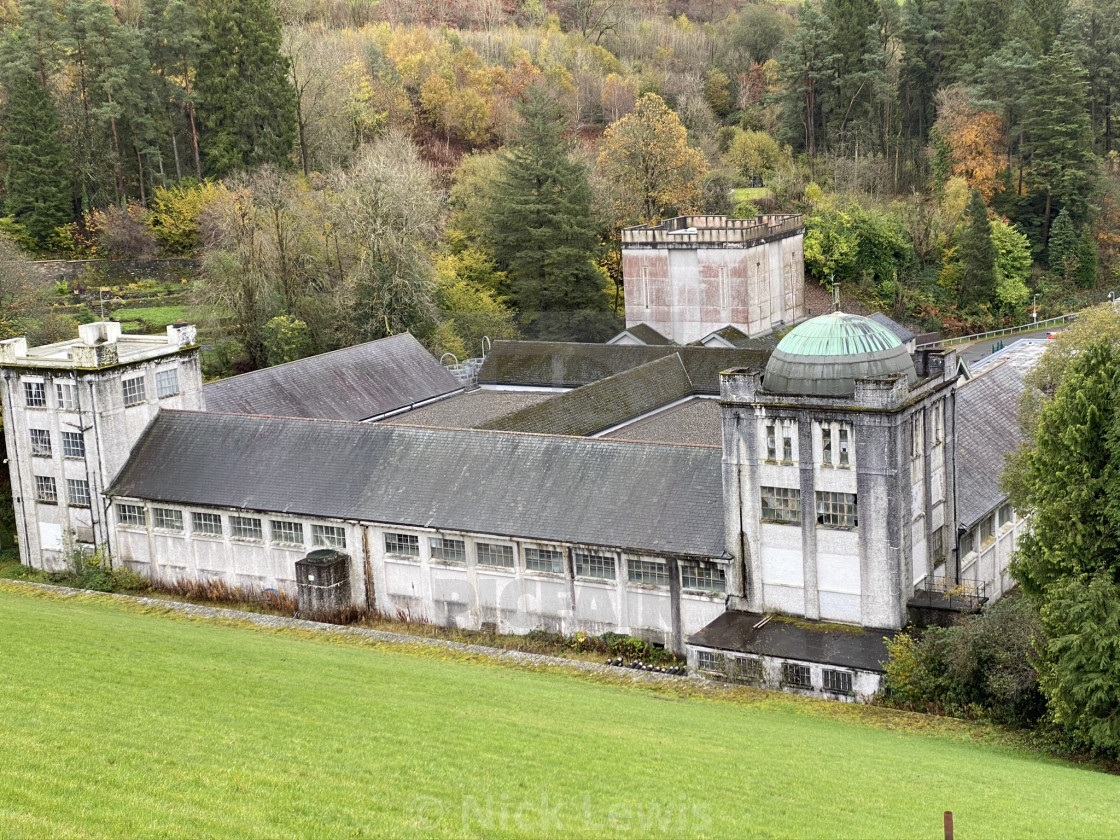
x=771 y=509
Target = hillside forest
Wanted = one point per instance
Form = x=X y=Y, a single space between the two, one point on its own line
x=341 y=171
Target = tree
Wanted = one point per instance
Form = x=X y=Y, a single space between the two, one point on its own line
x=543 y=232
x=977 y=253
x=756 y=154
x=1085 y=274
x=974 y=139
x=646 y=154
x=37 y=185
x=1012 y=266
x=246 y=102
x=1063 y=242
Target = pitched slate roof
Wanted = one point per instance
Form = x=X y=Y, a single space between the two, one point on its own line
x=904 y=335
x=605 y=403
x=645 y=334
x=643 y=497
x=697 y=421
x=988 y=429
x=569 y=365
x=355 y=383
x=469 y=410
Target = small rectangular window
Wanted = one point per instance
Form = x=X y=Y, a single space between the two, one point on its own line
x=709 y=660
x=826 y=445
x=986 y=530
x=40 y=442
x=332 y=536
x=167 y=382
x=167 y=519
x=448 y=550
x=73 y=445
x=787 y=448
x=67 y=393
x=246 y=528
x=595 y=566
x=77 y=489
x=781 y=504
x=703 y=575
x=45 y=489
x=544 y=560
x=490 y=554
x=131 y=515
x=648 y=572
x=207 y=523
x=837 y=510
x=748 y=669
x=1006 y=515
x=133 y=390
x=35 y=393
x=286 y=533
x=838 y=682
x=796 y=676
x=402 y=545
x=843 y=447
x=771 y=444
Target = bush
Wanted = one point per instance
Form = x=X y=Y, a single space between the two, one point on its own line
x=175 y=213
x=982 y=667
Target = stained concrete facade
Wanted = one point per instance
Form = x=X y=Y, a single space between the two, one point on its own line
x=853 y=556
x=72 y=411
x=693 y=275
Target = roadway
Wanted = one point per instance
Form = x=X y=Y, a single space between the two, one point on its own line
x=982 y=349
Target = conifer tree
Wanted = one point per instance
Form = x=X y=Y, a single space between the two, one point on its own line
x=543 y=232
x=37 y=184
x=1063 y=242
x=978 y=254
x=246 y=102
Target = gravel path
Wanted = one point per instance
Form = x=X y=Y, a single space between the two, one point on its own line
x=327 y=630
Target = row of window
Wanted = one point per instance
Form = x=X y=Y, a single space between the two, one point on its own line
x=834 y=510
x=750 y=669
x=73 y=444
x=830 y=456
x=976 y=540
x=248 y=528
x=77 y=491
x=694 y=574
x=133 y=389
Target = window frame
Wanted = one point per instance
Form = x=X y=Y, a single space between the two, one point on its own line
x=246 y=528
x=131 y=516
x=796 y=675
x=645 y=572
x=1006 y=514
x=138 y=394
x=406 y=546
x=707 y=576
x=161 y=516
x=160 y=379
x=76 y=489
x=46 y=490
x=843 y=519
x=845 y=448
x=34 y=393
x=449 y=550
x=41 y=447
x=774 y=506
x=837 y=681
x=826 y=445
x=771 y=442
x=328 y=536
x=208 y=519
x=592 y=565
x=487 y=548
x=278 y=525
x=535 y=562
x=66 y=394
x=70 y=451
x=711 y=661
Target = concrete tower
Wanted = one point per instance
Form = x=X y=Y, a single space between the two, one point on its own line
x=72 y=411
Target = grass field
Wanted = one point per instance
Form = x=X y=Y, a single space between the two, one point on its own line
x=741 y=194
x=119 y=722
x=147 y=319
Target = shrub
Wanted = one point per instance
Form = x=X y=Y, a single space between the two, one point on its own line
x=175 y=213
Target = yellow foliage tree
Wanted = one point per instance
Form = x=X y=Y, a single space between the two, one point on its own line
x=646 y=156
x=974 y=138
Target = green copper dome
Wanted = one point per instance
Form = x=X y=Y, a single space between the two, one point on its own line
x=825 y=355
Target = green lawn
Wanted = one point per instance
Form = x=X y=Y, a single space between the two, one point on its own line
x=150 y=319
x=741 y=194
x=115 y=723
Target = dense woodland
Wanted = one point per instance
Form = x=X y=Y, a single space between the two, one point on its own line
x=461 y=169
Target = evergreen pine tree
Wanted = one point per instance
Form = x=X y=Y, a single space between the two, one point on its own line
x=246 y=102
x=1085 y=275
x=543 y=233
x=978 y=254
x=1063 y=242
x=37 y=184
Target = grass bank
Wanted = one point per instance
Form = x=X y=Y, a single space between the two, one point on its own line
x=120 y=721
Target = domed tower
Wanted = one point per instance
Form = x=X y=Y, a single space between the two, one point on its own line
x=838 y=474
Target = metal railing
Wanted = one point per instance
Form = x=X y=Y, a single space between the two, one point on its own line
x=940 y=592
x=1031 y=327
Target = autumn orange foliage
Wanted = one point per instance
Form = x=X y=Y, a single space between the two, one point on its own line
x=975 y=141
